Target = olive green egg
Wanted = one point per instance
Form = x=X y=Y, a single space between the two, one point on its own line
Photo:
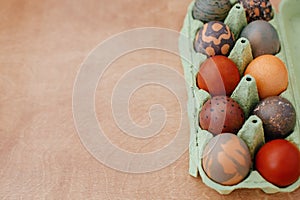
x=211 y=10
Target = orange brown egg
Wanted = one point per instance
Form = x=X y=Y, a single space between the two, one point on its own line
x=226 y=159
x=270 y=73
x=214 y=38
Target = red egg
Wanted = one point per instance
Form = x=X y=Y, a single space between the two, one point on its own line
x=218 y=75
x=278 y=162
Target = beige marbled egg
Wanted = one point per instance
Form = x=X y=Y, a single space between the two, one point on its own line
x=226 y=159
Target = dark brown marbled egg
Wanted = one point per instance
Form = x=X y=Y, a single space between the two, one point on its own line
x=278 y=116
x=257 y=9
x=211 y=10
x=226 y=159
x=214 y=38
x=221 y=114
x=263 y=38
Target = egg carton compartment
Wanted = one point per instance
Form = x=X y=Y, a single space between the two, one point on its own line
x=245 y=94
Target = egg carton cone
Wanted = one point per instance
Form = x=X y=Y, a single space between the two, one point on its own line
x=245 y=93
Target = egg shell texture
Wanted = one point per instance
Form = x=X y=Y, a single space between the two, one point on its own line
x=214 y=38
x=226 y=159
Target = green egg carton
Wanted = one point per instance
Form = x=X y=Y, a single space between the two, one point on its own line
x=287 y=23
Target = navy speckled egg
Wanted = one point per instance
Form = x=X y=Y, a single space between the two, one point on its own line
x=211 y=10
x=226 y=159
x=278 y=116
x=257 y=9
x=214 y=38
x=263 y=38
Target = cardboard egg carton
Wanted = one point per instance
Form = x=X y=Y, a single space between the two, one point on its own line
x=245 y=94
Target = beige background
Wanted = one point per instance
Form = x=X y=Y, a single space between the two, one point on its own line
x=43 y=44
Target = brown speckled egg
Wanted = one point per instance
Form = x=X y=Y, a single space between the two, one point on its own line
x=214 y=38
x=278 y=116
x=226 y=159
x=221 y=114
x=211 y=10
x=257 y=9
x=263 y=38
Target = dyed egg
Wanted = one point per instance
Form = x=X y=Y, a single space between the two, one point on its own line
x=221 y=114
x=257 y=9
x=214 y=38
x=278 y=116
x=270 y=73
x=263 y=38
x=226 y=159
x=218 y=75
x=211 y=10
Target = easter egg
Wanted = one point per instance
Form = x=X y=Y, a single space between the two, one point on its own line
x=211 y=10
x=226 y=159
x=257 y=9
x=218 y=75
x=278 y=161
x=263 y=38
x=214 y=38
x=221 y=114
x=278 y=116
x=270 y=74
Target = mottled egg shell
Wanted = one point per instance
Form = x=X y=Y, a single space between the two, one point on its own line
x=211 y=10
x=257 y=9
x=226 y=159
x=221 y=114
x=263 y=38
x=214 y=38
x=278 y=116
